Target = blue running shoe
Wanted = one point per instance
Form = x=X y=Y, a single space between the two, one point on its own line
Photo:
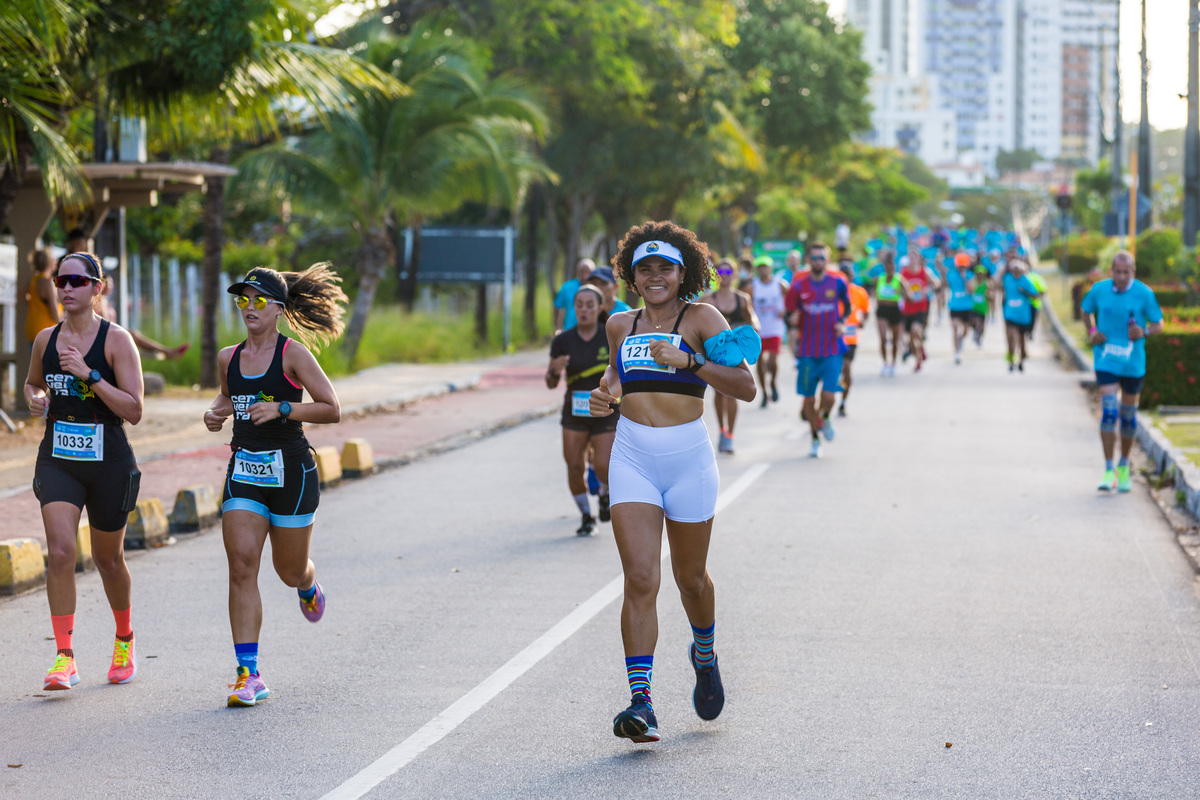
x=637 y=723
x=708 y=698
x=827 y=430
x=593 y=482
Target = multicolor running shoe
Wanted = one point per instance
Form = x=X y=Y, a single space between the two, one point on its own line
x=248 y=690
x=1124 y=484
x=62 y=675
x=124 y=662
x=314 y=609
x=1108 y=482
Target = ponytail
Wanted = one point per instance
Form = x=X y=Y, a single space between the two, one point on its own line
x=314 y=304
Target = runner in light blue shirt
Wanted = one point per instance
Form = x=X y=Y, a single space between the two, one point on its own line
x=564 y=301
x=1119 y=314
x=1019 y=292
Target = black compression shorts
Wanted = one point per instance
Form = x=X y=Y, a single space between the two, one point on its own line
x=293 y=505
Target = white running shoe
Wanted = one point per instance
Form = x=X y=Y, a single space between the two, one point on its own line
x=827 y=430
x=815 y=450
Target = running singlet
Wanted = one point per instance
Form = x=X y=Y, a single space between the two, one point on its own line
x=888 y=291
x=71 y=400
x=918 y=286
x=960 y=298
x=1018 y=293
x=1113 y=311
x=860 y=304
x=638 y=371
x=821 y=304
x=768 y=305
x=739 y=316
x=272 y=386
x=589 y=359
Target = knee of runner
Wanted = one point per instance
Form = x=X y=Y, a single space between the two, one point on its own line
x=243 y=567
x=61 y=556
x=642 y=582
x=1128 y=415
x=692 y=584
x=108 y=563
x=1109 y=413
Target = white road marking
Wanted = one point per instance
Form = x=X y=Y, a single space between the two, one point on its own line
x=458 y=712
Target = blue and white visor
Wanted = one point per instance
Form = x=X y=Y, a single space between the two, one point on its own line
x=658 y=248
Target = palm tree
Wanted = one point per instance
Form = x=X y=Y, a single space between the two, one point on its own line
x=36 y=38
x=397 y=160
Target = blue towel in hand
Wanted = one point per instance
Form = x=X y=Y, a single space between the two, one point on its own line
x=728 y=348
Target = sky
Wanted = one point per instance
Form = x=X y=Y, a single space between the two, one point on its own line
x=1167 y=44
x=1166 y=41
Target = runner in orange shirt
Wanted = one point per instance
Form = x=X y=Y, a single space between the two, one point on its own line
x=860 y=307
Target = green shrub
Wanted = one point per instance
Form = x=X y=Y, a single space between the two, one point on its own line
x=1083 y=251
x=1159 y=253
x=1170 y=298
x=1173 y=365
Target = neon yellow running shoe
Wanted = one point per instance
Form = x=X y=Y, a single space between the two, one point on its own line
x=1108 y=481
x=62 y=675
x=1123 y=482
x=124 y=662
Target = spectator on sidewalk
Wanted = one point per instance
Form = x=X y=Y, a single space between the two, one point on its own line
x=106 y=309
x=43 y=309
x=564 y=301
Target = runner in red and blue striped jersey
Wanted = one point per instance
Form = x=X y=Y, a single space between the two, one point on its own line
x=817 y=302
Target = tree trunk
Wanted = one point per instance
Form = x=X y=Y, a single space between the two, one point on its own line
x=408 y=286
x=552 y=243
x=214 y=240
x=372 y=258
x=481 y=331
x=532 y=210
x=14 y=174
x=580 y=209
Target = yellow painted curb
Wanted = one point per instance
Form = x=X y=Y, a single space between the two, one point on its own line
x=21 y=566
x=196 y=507
x=147 y=525
x=358 y=460
x=329 y=465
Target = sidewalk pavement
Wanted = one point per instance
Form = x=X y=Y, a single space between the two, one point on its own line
x=404 y=411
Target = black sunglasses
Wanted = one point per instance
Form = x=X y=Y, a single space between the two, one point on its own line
x=74 y=281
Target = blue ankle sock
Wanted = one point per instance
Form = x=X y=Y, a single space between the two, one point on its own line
x=1124 y=462
x=704 y=645
x=247 y=656
x=1108 y=464
x=309 y=593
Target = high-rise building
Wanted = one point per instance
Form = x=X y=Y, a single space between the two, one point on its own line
x=962 y=80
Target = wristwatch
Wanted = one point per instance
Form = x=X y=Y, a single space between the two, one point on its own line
x=93 y=377
x=699 y=361
x=285 y=408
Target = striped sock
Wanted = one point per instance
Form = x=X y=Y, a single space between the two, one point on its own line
x=704 y=645
x=639 y=668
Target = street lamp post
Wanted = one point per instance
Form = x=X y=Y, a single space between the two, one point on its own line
x=1191 y=140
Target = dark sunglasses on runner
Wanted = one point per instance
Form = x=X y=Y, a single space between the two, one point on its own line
x=74 y=281
x=260 y=302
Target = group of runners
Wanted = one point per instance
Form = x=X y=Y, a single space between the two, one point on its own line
x=633 y=410
x=85 y=378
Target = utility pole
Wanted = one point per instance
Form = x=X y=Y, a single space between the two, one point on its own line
x=1191 y=139
x=1118 y=172
x=1144 y=134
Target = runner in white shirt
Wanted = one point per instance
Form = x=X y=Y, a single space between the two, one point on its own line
x=768 y=292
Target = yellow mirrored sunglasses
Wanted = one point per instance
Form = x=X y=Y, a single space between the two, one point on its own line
x=259 y=302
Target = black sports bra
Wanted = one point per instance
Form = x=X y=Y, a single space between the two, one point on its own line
x=643 y=377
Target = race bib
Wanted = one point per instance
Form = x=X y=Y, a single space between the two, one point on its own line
x=78 y=442
x=258 y=469
x=581 y=404
x=635 y=351
x=851 y=330
x=888 y=293
x=1015 y=303
x=1117 y=352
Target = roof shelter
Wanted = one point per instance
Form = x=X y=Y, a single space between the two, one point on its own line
x=115 y=185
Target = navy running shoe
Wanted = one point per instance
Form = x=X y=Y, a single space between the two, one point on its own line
x=587 y=527
x=709 y=695
x=637 y=723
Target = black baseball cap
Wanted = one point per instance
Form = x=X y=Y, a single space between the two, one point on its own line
x=267 y=281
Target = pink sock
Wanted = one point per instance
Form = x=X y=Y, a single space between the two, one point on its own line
x=124 y=628
x=64 y=627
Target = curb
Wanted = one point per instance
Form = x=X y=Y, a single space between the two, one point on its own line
x=1166 y=456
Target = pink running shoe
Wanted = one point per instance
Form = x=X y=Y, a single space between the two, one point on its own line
x=124 y=662
x=248 y=690
x=314 y=609
x=62 y=675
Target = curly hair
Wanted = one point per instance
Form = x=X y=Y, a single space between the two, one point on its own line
x=315 y=304
x=698 y=272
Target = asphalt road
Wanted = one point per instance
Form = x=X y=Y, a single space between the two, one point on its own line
x=945 y=575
